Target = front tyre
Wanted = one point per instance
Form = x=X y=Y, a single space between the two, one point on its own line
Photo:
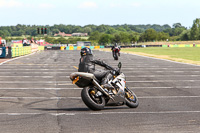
x=91 y=101
x=115 y=56
x=131 y=99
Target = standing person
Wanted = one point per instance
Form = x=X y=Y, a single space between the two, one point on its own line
x=32 y=40
x=24 y=42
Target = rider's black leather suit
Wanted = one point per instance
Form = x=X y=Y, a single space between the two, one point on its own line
x=87 y=64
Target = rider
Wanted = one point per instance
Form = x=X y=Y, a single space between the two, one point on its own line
x=115 y=46
x=87 y=64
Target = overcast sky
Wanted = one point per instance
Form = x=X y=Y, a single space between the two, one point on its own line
x=109 y=12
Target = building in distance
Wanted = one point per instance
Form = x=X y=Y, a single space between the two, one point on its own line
x=83 y=43
x=63 y=34
x=79 y=34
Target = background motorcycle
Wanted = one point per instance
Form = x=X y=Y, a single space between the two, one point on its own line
x=95 y=97
x=116 y=53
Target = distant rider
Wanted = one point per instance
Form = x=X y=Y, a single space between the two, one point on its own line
x=116 y=47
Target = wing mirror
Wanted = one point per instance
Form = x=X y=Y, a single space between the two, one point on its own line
x=120 y=65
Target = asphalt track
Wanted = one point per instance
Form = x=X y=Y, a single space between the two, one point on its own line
x=36 y=96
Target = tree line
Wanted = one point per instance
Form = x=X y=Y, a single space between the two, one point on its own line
x=107 y=34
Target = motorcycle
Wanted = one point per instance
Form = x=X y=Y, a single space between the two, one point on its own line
x=116 y=53
x=96 y=98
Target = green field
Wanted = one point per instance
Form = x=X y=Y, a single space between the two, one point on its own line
x=187 y=55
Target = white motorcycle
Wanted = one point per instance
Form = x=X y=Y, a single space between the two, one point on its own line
x=96 y=98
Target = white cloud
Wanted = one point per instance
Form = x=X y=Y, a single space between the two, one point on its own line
x=88 y=5
x=115 y=5
x=124 y=5
x=46 y=6
x=136 y=4
x=10 y=3
x=18 y=4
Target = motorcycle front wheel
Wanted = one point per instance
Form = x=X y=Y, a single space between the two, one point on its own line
x=91 y=100
x=115 y=56
x=131 y=98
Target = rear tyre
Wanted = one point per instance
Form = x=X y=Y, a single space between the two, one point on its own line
x=91 y=101
x=131 y=99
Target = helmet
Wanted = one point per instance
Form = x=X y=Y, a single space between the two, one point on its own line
x=86 y=51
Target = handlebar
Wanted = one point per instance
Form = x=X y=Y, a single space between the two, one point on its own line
x=103 y=64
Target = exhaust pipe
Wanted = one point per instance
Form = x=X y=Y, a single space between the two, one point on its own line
x=101 y=89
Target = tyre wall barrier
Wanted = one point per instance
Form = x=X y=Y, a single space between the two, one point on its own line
x=181 y=45
x=79 y=47
x=19 y=51
x=40 y=48
x=55 y=48
x=133 y=46
x=62 y=48
x=72 y=47
x=75 y=47
x=17 y=45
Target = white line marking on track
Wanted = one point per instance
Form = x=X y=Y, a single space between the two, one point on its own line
x=131 y=87
x=123 y=72
x=49 y=65
x=18 y=114
x=39 y=69
x=37 y=72
x=163 y=97
x=58 y=98
x=96 y=113
x=41 y=88
x=151 y=87
x=180 y=87
x=159 y=112
x=28 y=82
x=38 y=82
x=102 y=113
x=26 y=76
x=143 y=76
x=70 y=83
x=34 y=76
x=161 y=81
x=167 y=68
x=138 y=76
x=59 y=114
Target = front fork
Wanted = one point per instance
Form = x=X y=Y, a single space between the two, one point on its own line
x=129 y=95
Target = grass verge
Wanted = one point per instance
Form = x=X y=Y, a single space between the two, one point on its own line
x=185 y=55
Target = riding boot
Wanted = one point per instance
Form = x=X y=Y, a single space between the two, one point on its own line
x=105 y=80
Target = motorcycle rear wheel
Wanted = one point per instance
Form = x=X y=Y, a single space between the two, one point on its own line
x=90 y=100
x=131 y=100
